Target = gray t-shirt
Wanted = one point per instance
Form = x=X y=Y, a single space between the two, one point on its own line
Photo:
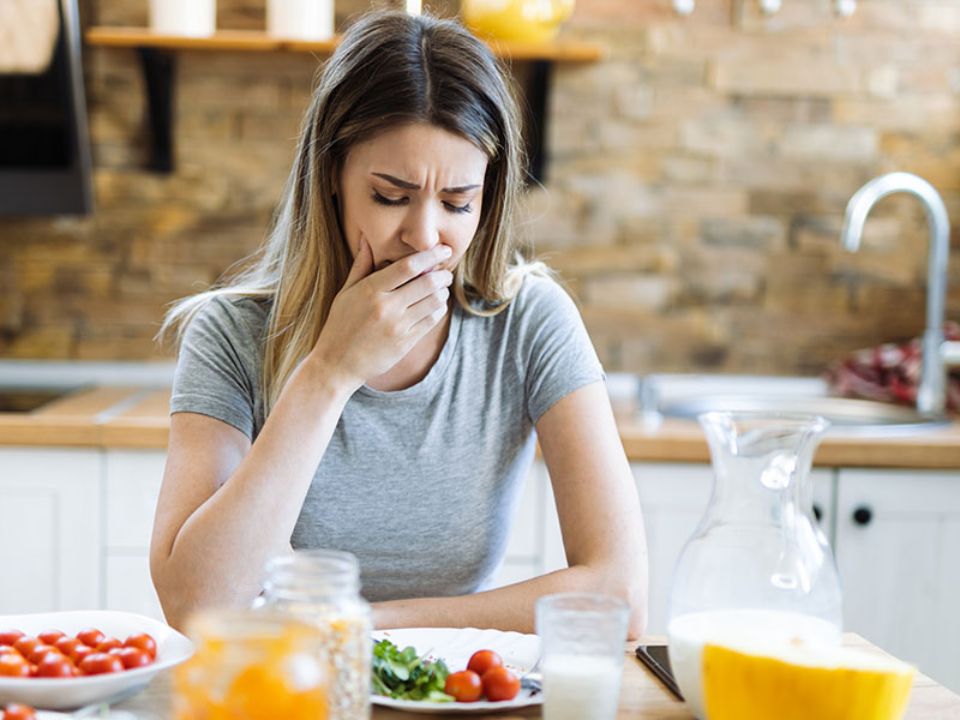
x=420 y=484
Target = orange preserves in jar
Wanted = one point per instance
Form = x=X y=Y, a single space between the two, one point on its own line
x=252 y=665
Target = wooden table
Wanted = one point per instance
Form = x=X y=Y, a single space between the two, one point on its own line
x=641 y=696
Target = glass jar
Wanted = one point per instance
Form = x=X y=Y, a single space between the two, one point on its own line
x=251 y=665
x=758 y=563
x=322 y=587
x=519 y=20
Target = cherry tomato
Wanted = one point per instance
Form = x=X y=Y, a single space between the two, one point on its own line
x=80 y=652
x=40 y=652
x=483 y=660
x=9 y=637
x=13 y=665
x=54 y=665
x=108 y=644
x=16 y=711
x=50 y=637
x=500 y=684
x=144 y=642
x=132 y=657
x=91 y=637
x=100 y=664
x=67 y=645
x=465 y=686
x=26 y=644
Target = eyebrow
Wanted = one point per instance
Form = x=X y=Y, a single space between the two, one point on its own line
x=406 y=185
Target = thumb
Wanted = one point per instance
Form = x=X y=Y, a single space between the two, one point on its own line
x=362 y=264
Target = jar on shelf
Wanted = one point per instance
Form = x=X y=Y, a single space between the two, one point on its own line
x=193 y=18
x=300 y=19
x=322 y=588
x=534 y=21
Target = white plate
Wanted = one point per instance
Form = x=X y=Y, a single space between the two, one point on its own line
x=455 y=646
x=56 y=694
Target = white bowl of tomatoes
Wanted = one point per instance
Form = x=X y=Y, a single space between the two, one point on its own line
x=64 y=660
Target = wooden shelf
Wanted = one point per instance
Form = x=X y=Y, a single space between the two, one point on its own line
x=157 y=55
x=257 y=41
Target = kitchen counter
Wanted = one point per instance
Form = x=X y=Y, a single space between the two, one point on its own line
x=641 y=696
x=131 y=417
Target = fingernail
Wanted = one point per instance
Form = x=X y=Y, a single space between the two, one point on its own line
x=445 y=251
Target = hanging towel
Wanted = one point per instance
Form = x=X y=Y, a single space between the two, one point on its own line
x=28 y=35
x=890 y=372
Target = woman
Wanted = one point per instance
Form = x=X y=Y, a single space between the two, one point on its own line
x=371 y=380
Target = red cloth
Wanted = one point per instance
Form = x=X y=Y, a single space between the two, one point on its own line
x=890 y=372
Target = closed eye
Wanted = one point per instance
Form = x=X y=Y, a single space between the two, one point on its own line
x=468 y=208
x=399 y=202
x=377 y=197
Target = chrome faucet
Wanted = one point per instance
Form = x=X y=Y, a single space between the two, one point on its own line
x=937 y=354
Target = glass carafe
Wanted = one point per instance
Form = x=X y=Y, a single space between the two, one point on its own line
x=758 y=563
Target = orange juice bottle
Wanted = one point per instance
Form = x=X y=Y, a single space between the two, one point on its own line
x=252 y=666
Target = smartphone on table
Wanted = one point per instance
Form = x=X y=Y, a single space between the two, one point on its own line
x=657 y=659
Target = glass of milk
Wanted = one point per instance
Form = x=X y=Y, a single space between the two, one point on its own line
x=582 y=638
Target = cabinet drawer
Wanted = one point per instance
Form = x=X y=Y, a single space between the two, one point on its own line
x=50 y=535
x=525 y=534
x=129 y=587
x=133 y=480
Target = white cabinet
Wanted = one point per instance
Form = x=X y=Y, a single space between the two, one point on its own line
x=673 y=497
x=524 y=557
x=898 y=538
x=75 y=529
x=132 y=480
x=50 y=529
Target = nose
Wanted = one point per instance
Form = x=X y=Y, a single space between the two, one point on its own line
x=421 y=230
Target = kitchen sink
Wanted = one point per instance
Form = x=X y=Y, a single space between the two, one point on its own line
x=687 y=396
x=15 y=399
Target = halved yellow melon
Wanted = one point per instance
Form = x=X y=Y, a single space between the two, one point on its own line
x=803 y=682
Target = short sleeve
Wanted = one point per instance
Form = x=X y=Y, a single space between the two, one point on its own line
x=217 y=371
x=559 y=356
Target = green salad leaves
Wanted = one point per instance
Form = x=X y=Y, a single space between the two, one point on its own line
x=403 y=675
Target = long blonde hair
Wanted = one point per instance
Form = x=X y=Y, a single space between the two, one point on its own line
x=390 y=68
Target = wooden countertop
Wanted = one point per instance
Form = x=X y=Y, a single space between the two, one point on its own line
x=641 y=696
x=138 y=418
x=102 y=417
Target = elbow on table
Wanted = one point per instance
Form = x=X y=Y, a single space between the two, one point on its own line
x=173 y=600
x=180 y=592
x=631 y=587
x=637 y=600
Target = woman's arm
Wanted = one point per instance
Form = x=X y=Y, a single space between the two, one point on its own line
x=227 y=505
x=599 y=516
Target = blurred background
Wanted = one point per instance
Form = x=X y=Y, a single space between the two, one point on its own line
x=695 y=182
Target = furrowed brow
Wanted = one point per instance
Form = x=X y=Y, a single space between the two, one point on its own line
x=459 y=190
x=407 y=185
x=397 y=181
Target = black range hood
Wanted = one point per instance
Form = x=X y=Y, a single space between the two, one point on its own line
x=45 y=166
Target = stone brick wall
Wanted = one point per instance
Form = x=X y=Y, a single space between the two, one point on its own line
x=695 y=188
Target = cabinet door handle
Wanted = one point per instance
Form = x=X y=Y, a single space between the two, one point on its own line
x=862 y=515
x=817 y=512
